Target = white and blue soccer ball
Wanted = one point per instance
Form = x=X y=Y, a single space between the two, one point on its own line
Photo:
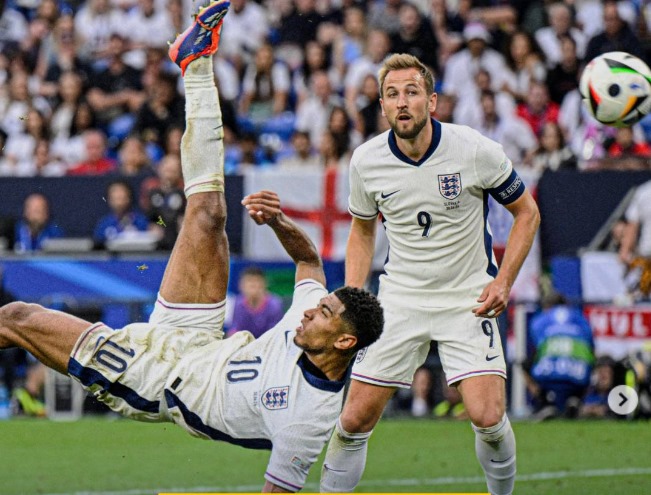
x=616 y=89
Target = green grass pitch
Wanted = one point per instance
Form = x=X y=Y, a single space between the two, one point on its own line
x=99 y=456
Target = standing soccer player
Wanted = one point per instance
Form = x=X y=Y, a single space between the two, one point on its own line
x=281 y=392
x=430 y=182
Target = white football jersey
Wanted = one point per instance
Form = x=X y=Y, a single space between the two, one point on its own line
x=435 y=210
x=260 y=394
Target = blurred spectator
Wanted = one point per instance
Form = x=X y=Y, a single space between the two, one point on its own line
x=13 y=27
x=526 y=61
x=445 y=108
x=163 y=108
x=385 y=16
x=537 y=109
x=462 y=67
x=420 y=389
x=265 y=88
x=133 y=160
x=147 y=25
x=561 y=355
x=468 y=109
x=95 y=23
x=369 y=106
x=300 y=26
x=244 y=33
x=123 y=218
x=415 y=36
x=448 y=28
x=303 y=157
x=313 y=113
x=377 y=48
x=616 y=36
x=5 y=165
x=16 y=103
x=176 y=16
x=341 y=127
x=21 y=145
x=624 y=145
x=561 y=25
x=255 y=309
x=69 y=94
x=333 y=154
x=61 y=55
x=349 y=45
x=595 y=402
x=315 y=60
x=563 y=77
x=635 y=248
x=552 y=152
x=117 y=89
x=511 y=132
x=42 y=163
x=96 y=161
x=35 y=225
x=163 y=200
x=173 y=137
x=33 y=44
x=70 y=145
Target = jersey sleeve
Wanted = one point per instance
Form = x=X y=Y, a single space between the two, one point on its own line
x=360 y=204
x=496 y=173
x=307 y=294
x=295 y=449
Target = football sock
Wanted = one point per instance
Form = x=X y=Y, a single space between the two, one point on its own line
x=495 y=448
x=345 y=460
x=202 y=146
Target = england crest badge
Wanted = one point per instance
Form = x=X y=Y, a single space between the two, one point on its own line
x=450 y=185
x=275 y=398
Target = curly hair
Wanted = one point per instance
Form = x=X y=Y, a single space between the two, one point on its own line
x=363 y=313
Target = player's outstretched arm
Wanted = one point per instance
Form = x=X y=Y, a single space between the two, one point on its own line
x=264 y=208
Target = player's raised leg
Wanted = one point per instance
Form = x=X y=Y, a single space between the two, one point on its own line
x=197 y=271
x=485 y=399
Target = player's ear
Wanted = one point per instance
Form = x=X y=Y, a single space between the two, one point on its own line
x=384 y=114
x=346 y=342
x=432 y=103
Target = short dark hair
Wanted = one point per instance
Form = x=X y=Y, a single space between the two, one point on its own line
x=363 y=313
x=252 y=270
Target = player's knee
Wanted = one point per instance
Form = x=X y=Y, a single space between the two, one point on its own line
x=16 y=314
x=358 y=421
x=488 y=416
x=210 y=215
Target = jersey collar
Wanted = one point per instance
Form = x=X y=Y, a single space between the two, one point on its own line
x=436 y=139
x=315 y=377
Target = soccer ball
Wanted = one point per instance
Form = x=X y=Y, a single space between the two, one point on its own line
x=616 y=89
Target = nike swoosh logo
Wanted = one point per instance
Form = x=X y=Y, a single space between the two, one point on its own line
x=490 y=358
x=385 y=196
x=502 y=462
x=328 y=468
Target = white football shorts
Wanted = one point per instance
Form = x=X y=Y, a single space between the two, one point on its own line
x=468 y=346
x=127 y=368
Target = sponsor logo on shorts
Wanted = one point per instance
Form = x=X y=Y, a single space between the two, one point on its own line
x=275 y=398
x=360 y=355
x=450 y=185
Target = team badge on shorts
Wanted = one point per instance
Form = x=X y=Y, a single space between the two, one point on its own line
x=275 y=398
x=450 y=185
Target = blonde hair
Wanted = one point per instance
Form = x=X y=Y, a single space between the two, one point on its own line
x=400 y=61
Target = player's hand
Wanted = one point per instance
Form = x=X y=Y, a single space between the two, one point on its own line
x=494 y=299
x=263 y=206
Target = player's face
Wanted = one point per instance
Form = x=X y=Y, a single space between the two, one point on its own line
x=405 y=102
x=321 y=326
